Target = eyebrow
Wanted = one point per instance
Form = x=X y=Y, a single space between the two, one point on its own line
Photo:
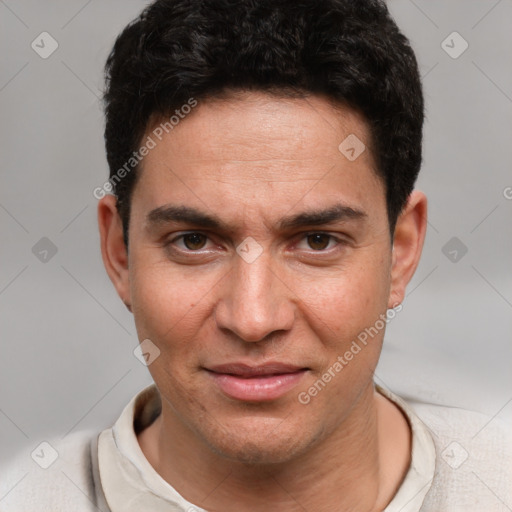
x=188 y=215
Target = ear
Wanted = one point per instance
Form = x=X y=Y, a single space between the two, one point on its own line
x=408 y=239
x=113 y=248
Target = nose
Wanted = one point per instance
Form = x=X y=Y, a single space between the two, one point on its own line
x=255 y=302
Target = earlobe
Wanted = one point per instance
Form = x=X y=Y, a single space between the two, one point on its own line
x=408 y=242
x=113 y=248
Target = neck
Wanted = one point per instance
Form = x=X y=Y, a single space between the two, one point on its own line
x=358 y=467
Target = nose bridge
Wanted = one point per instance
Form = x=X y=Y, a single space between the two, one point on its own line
x=254 y=304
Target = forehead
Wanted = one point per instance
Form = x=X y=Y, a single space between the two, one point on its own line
x=257 y=126
x=254 y=149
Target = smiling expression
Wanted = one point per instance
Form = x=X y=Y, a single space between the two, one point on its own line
x=255 y=242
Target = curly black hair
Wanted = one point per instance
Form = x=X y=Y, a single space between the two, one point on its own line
x=348 y=51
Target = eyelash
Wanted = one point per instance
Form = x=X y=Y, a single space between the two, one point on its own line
x=169 y=244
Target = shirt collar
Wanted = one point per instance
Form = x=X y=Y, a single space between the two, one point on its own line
x=130 y=483
x=419 y=477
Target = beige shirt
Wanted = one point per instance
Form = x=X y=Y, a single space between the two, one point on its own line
x=460 y=461
x=131 y=484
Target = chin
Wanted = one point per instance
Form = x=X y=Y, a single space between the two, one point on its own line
x=260 y=442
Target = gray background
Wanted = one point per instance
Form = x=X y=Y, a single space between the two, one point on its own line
x=67 y=358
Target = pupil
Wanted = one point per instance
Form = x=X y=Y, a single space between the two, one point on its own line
x=193 y=239
x=317 y=239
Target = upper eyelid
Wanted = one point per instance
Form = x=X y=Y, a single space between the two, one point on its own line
x=304 y=234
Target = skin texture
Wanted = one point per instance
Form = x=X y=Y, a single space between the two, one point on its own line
x=252 y=159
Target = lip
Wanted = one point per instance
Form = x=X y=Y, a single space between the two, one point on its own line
x=256 y=383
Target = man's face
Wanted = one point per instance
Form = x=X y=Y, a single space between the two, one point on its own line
x=258 y=290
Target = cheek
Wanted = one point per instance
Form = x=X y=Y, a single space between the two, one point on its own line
x=170 y=308
x=345 y=305
x=168 y=303
x=347 y=315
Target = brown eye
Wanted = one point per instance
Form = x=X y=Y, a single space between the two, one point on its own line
x=194 y=241
x=318 y=241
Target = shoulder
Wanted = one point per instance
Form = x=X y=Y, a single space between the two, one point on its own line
x=473 y=459
x=56 y=475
